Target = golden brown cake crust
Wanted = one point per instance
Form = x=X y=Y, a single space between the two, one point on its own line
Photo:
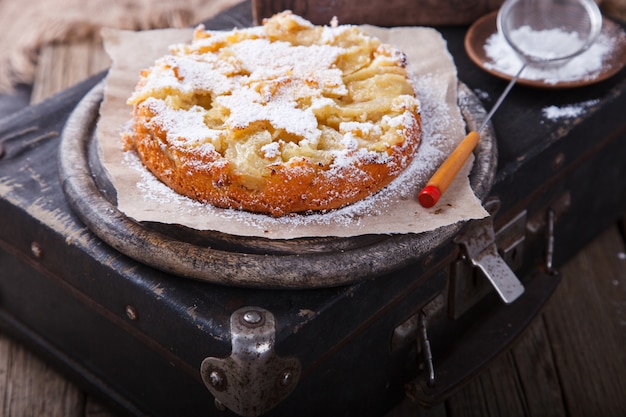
x=305 y=141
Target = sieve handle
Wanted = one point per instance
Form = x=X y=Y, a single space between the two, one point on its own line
x=443 y=177
x=502 y=97
x=445 y=174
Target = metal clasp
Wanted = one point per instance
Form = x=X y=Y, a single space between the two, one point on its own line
x=479 y=243
x=253 y=379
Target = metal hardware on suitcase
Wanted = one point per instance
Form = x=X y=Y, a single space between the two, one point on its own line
x=76 y=284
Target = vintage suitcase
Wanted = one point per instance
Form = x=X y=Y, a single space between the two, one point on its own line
x=374 y=318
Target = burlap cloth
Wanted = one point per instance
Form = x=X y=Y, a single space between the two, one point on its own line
x=28 y=25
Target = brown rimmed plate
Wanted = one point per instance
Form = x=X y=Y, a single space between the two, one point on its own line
x=483 y=28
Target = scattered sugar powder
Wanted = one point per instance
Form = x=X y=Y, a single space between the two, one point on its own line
x=330 y=33
x=569 y=111
x=482 y=94
x=151 y=189
x=271 y=150
x=349 y=141
x=548 y=44
x=264 y=58
x=246 y=106
x=180 y=125
x=352 y=130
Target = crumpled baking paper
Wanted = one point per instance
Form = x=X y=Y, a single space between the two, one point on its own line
x=394 y=210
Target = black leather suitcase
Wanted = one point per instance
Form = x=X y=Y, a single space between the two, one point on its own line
x=153 y=342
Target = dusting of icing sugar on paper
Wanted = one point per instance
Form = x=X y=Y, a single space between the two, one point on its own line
x=569 y=111
x=393 y=210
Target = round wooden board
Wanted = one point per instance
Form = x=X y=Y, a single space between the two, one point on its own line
x=237 y=260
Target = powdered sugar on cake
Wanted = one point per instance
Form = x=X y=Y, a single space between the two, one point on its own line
x=436 y=119
x=296 y=124
x=182 y=126
x=262 y=93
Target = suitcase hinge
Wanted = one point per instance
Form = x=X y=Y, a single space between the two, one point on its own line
x=253 y=379
x=479 y=243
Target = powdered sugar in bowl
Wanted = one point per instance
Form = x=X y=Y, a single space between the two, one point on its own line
x=600 y=59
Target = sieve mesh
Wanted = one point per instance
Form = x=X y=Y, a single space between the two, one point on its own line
x=579 y=17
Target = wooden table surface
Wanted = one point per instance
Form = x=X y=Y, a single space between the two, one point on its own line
x=570 y=362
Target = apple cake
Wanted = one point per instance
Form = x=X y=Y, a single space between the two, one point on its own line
x=285 y=117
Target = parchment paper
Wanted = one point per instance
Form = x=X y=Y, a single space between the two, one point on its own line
x=393 y=210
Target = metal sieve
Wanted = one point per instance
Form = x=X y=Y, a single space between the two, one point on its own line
x=579 y=18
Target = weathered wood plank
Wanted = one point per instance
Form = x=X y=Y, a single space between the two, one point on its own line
x=79 y=61
x=501 y=386
x=29 y=387
x=572 y=359
x=586 y=324
x=47 y=82
x=470 y=401
x=538 y=377
x=495 y=392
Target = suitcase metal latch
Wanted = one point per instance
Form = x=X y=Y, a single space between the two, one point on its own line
x=253 y=379
x=479 y=242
